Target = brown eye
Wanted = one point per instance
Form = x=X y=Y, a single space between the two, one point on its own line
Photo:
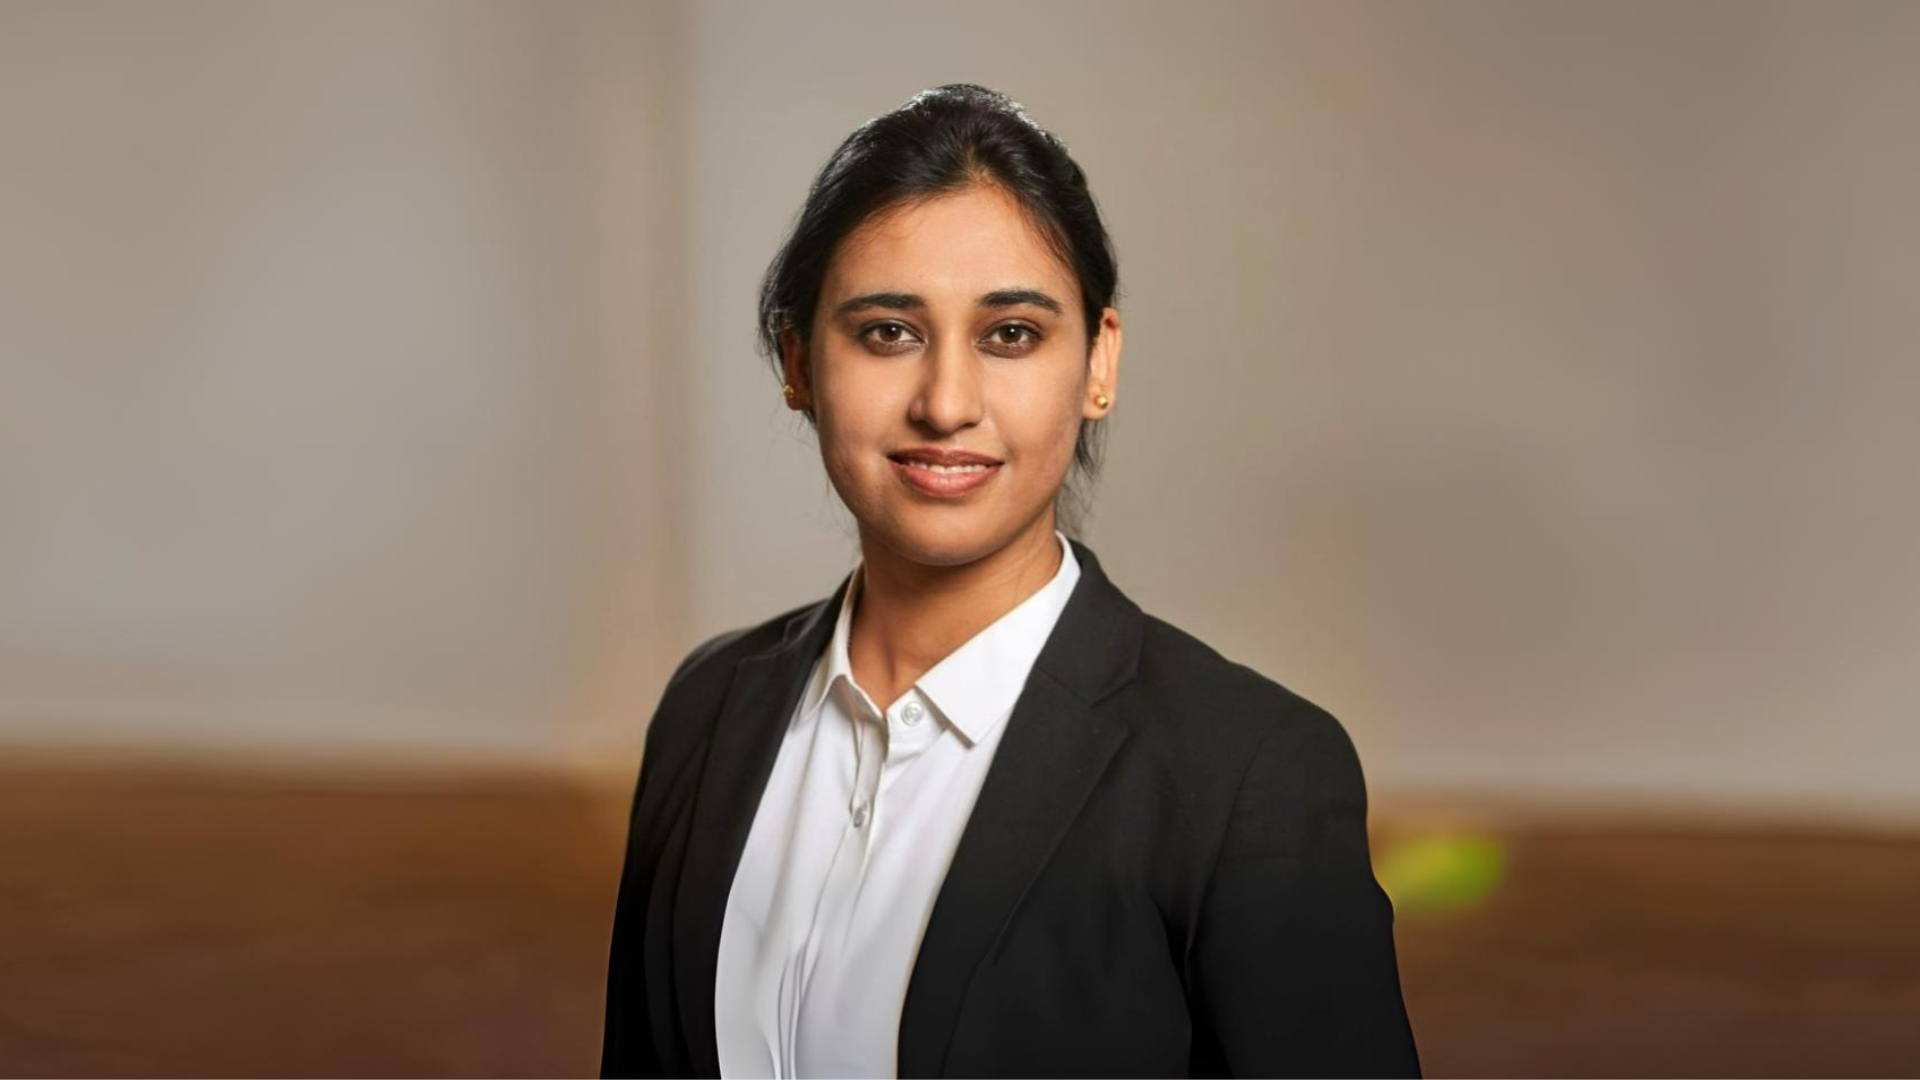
x=1015 y=338
x=887 y=336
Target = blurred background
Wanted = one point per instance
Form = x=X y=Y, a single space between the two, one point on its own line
x=380 y=424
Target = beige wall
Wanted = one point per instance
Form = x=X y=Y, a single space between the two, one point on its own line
x=334 y=417
x=1534 y=379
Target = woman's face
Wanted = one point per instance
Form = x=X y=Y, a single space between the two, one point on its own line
x=943 y=325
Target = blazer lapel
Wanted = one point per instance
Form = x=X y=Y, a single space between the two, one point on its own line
x=1056 y=746
x=746 y=740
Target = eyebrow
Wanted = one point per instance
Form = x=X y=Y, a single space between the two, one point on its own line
x=900 y=301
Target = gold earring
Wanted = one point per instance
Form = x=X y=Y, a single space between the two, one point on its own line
x=1101 y=400
x=788 y=389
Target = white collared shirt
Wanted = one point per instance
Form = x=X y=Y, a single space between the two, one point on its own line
x=855 y=830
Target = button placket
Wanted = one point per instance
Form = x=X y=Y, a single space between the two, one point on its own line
x=910 y=728
x=870 y=758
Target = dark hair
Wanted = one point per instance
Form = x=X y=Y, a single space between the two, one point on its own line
x=943 y=140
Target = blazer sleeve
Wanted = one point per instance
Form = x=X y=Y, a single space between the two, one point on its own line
x=626 y=1047
x=1293 y=967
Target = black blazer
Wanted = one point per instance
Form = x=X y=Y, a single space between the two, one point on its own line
x=1166 y=872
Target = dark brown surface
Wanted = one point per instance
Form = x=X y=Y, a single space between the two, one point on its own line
x=1673 y=952
x=193 y=927
x=181 y=925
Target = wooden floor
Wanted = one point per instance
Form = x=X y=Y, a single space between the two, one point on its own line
x=163 y=925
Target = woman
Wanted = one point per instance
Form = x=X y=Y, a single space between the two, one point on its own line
x=976 y=813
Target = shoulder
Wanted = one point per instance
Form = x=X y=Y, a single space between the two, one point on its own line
x=699 y=683
x=706 y=670
x=1189 y=695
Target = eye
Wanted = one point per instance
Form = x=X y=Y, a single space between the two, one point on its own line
x=1015 y=339
x=887 y=337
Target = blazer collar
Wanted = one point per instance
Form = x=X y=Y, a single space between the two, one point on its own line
x=1056 y=746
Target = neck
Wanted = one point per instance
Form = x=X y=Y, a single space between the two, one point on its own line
x=908 y=616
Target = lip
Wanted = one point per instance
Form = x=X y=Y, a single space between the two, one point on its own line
x=945 y=485
x=934 y=455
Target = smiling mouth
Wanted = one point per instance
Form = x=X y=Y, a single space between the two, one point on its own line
x=944 y=481
x=976 y=468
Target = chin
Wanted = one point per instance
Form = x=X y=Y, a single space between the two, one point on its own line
x=940 y=539
x=931 y=544
x=928 y=532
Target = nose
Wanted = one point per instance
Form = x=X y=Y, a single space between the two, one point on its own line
x=951 y=396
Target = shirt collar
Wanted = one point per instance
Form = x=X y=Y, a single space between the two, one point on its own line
x=974 y=687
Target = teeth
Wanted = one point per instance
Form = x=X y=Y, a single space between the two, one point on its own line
x=948 y=468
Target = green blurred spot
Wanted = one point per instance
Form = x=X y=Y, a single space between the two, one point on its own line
x=1440 y=871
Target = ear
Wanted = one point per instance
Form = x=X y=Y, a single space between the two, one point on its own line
x=796 y=370
x=1103 y=367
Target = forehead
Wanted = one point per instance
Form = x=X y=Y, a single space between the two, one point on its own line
x=955 y=245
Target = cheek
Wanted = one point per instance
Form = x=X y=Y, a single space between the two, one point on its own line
x=850 y=447
x=839 y=447
x=1048 y=421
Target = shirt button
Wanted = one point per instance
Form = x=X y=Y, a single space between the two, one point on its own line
x=860 y=816
x=912 y=713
